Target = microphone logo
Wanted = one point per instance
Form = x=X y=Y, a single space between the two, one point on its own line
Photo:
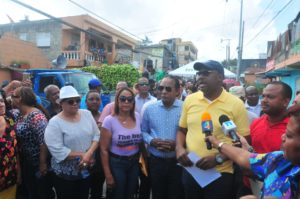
x=207 y=125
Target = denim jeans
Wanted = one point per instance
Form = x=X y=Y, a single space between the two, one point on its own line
x=125 y=173
x=165 y=178
x=221 y=188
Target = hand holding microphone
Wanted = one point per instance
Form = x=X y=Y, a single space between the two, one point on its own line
x=229 y=128
x=207 y=128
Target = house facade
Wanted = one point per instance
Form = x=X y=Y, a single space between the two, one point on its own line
x=283 y=56
x=82 y=39
x=183 y=52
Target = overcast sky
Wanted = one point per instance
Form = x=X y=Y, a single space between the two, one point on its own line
x=204 y=22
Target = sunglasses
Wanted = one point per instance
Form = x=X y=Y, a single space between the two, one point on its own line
x=205 y=73
x=143 y=84
x=124 y=99
x=73 y=101
x=168 y=88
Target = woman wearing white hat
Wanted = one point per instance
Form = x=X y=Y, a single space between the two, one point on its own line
x=72 y=136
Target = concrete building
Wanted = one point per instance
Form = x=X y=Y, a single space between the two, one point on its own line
x=21 y=54
x=159 y=54
x=183 y=52
x=283 y=62
x=87 y=41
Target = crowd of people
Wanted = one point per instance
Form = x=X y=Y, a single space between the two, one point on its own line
x=143 y=144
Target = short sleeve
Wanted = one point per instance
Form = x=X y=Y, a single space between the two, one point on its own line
x=183 y=117
x=241 y=119
x=258 y=164
x=107 y=123
x=38 y=125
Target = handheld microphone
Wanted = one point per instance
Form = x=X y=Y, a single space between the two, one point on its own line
x=207 y=127
x=229 y=128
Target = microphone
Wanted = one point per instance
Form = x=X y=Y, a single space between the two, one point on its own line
x=229 y=128
x=207 y=127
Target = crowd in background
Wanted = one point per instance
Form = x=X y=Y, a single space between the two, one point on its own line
x=140 y=144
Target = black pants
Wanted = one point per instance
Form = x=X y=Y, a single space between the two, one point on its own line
x=71 y=189
x=36 y=187
x=97 y=178
x=165 y=178
x=219 y=189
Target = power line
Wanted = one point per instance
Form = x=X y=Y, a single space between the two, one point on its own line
x=60 y=20
x=104 y=19
x=269 y=22
x=262 y=14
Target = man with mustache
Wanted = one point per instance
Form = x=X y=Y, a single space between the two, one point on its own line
x=267 y=130
x=215 y=100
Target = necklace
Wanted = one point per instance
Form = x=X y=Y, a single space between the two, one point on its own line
x=124 y=121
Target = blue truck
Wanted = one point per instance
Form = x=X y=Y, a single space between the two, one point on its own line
x=43 y=77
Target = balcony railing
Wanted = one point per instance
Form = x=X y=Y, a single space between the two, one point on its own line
x=75 y=55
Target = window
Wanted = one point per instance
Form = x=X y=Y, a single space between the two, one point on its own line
x=186 y=48
x=23 y=36
x=43 y=39
x=45 y=81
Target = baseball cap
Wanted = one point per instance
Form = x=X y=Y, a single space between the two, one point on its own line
x=94 y=83
x=209 y=65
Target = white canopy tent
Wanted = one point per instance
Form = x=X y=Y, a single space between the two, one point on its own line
x=189 y=72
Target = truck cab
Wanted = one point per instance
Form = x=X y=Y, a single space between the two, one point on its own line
x=41 y=78
x=61 y=77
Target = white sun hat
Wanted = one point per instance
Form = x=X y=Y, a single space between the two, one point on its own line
x=67 y=92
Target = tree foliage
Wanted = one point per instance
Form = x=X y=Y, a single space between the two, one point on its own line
x=110 y=75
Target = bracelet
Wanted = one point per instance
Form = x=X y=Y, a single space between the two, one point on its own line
x=220 y=146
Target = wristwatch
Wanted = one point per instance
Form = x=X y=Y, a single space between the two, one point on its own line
x=219 y=159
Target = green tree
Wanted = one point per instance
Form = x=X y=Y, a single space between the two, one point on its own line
x=110 y=75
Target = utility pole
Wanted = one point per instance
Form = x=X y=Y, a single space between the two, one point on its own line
x=227 y=51
x=240 y=47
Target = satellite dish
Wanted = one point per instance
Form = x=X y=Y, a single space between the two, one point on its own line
x=60 y=62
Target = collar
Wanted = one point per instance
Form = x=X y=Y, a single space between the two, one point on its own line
x=176 y=103
x=247 y=105
x=222 y=97
x=283 y=121
x=148 y=97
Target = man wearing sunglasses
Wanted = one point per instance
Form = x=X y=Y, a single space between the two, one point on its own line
x=143 y=95
x=215 y=100
x=159 y=128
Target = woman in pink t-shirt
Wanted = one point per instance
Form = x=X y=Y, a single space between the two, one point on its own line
x=120 y=140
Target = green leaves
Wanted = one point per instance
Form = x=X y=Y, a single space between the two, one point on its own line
x=110 y=75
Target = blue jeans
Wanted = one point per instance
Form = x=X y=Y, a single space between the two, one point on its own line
x=165 y=178
x=125 y=173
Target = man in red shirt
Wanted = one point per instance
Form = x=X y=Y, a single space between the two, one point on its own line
x=267 y=130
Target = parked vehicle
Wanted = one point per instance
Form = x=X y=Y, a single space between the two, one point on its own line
x=43 y=77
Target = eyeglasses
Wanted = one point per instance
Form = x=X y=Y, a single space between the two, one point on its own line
x=73 y=101
x=15 y=96
x=143 y=84
x=124 y=99
x=168 y=88
x=205 y=72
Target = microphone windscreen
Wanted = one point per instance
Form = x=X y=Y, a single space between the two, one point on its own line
x=223 y=118
x=205 y=116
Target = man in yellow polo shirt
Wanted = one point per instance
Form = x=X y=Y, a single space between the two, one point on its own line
x=215 y=100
